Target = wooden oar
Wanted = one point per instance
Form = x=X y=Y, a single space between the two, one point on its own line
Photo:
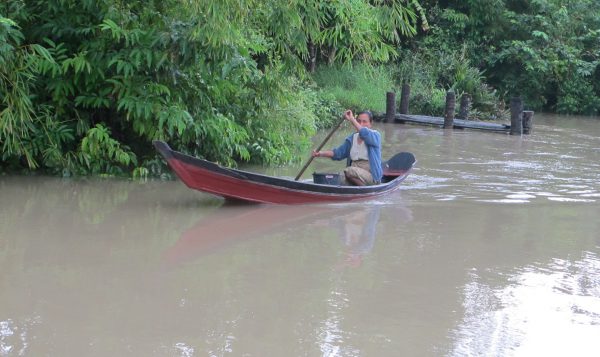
x=320 y=147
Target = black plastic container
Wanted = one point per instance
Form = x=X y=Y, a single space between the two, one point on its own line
x=327 y=179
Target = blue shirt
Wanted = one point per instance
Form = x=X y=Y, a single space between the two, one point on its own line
x=372 y=139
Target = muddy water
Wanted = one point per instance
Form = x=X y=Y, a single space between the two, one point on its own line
x=491 y=248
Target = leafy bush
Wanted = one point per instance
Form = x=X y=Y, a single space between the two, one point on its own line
x=431 y=73
x=577 y=96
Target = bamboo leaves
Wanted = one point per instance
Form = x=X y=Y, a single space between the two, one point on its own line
x=98 y=80
x=17 y=111
x=100 y=153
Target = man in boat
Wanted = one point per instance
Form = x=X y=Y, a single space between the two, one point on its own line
x=362 y=150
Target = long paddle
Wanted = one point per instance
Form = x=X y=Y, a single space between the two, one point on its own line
x=319 y=148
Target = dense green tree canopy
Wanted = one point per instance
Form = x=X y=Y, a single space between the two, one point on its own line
x=86 y=85
x=547 y=51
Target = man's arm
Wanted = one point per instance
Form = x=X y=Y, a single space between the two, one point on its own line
x=349 y=116
x=370 y=136
x=339 y=153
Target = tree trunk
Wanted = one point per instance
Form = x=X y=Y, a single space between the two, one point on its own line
x=312 y=57
x=331 y=56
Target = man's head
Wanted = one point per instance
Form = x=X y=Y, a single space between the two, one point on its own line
x=365 y=119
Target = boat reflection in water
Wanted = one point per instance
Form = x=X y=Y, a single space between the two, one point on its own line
x=233 y=223
x=355 y=224
x=357 y=229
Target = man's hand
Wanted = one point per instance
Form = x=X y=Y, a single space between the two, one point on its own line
x=348 y=115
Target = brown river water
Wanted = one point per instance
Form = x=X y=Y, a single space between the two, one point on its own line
x=490 y=248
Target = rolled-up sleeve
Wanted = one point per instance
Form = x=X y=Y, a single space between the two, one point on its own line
x=343 y=151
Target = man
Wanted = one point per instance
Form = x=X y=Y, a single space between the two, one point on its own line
x=362 y=150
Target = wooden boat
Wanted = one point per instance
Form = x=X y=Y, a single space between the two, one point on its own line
x=241 y=185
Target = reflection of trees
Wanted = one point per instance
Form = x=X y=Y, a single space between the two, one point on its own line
x=64 y=246
x=44 y=216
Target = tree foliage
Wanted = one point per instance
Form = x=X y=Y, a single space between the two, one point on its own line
x=86 y=85
x=544 y=50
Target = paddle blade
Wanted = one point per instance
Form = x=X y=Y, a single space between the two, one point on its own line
x=399 y=163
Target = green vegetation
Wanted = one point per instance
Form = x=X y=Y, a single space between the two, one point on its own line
x=358 y=87
x=546 y=51
x=86 y=85
x=430 y=75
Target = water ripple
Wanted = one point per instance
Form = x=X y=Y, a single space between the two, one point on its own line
x=13 y=336
x=548 y=310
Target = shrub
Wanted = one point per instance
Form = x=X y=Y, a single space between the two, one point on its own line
x=577 y=96
x=431 y=73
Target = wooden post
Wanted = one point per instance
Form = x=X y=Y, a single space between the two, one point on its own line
x=465 y=106
x=404 y=98
x=527 y=121
x=450 y=105
x=390 y=107
x=516 y=116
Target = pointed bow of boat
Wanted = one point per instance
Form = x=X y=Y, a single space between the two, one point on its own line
x=163 y=148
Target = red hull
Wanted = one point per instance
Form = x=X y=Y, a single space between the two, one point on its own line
x=240 y=185
x=231 y=187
